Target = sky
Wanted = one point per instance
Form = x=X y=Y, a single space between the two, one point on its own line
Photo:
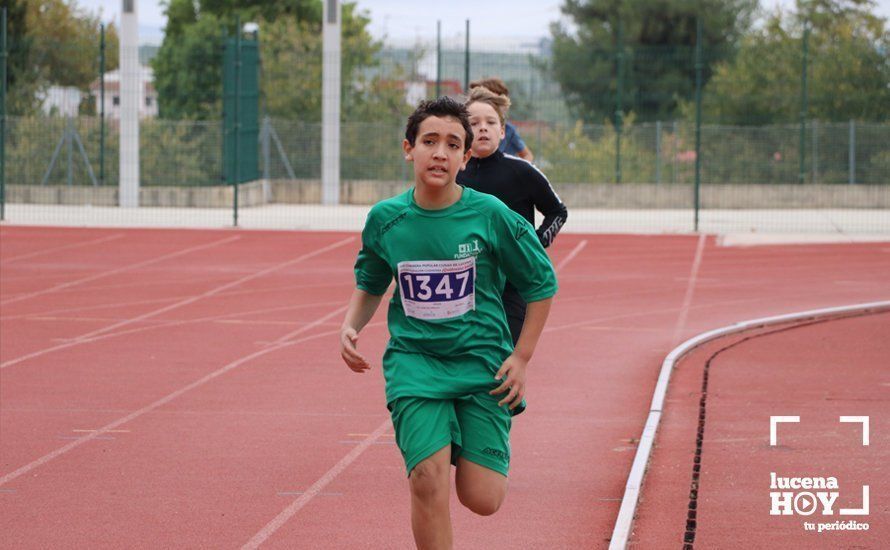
x=402 y=21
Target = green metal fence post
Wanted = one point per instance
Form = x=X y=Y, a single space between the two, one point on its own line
x=102 y=104
x=3 y=57
x=237 y=124
x=69 y=150
x=438 y=58
x=675 y=131
x=467 y=58
x=801 y=170
x=657 y=151
x=815 y=154
x=265 y=144
x=619 y=116
x=698 y=83
x=852 y=152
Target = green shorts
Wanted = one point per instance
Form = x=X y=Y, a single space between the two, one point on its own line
x=475 y=427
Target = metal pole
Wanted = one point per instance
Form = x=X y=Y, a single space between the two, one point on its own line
x=467 y=58
x=331 y=80
x=815 y=154
x=438 y=58
x=852 y=151
x=801 y=170
x=102 y=104
x=657 y=151
x=676 y=134
x=236 y=126
x=698 y=83
x=69 y=149
x=265 y=140
x=618 y=103
x=131 y=95
x=3 y=57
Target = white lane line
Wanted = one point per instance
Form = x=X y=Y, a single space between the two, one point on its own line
x=91 y=336
x=107 y=238
x=171 y=396
x=263 y=290
x=316 y=487
x=263 y=534
x=198 y=320
x=633 y=487
x=571 y=256
x=220 y=288
x=119 y=270
x=690 y=288
x=62 y=311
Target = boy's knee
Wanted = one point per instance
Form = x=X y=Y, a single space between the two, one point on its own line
x=429 y=480
x=484 y=503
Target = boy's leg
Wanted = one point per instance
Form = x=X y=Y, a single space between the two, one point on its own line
x=425 y=431
x=484 y=458
x=480 y=489
x=430 y=515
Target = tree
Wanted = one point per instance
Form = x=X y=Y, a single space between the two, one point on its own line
x=658 y=41
x=52 y=43
x=291 y=54
x=188 y=67
x=848 y=68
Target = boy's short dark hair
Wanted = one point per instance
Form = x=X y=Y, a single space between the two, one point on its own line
x=441 y=107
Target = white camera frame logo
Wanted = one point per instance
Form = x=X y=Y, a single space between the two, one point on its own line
x=805 y=502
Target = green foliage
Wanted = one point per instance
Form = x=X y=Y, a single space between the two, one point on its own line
x=658 y=44
x=171 y=153
x=189 y=152
x=52 y=43
x=579 y=153
x=188 y=67
x=193 y=148
x=848 y=68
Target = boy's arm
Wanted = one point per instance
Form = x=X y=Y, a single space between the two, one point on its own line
x=514 y=366
x=526 y=153
x=361 y=308
x=547 y=202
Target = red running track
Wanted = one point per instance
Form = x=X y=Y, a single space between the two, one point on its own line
x=166 y=388
x=818 y=371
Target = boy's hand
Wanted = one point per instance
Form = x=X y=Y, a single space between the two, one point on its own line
x=354 y=360
x=514 y=371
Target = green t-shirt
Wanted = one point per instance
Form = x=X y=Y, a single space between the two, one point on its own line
x=448 y=330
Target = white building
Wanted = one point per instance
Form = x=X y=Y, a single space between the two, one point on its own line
x=148 y=100
x=61 y=101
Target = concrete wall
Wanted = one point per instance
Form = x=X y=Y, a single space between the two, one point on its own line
x=575 y=195
x=250 y=194
x=630 y=195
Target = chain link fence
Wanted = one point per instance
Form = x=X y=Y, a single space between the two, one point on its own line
x=629 y=144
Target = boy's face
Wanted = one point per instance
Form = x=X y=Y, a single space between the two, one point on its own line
x=438 y=151
x=487 y=129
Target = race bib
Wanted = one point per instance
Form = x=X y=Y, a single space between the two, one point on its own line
x=438 y=289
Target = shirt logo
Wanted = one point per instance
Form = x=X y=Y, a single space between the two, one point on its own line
x=521 y=228
x=392 y=223
x=465 y=250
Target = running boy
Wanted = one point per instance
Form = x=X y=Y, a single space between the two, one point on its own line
x=516 y=182
x=511 y=142
x=453 y=379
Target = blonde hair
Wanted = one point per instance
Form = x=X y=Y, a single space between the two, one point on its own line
x=500 y=103
x=494 y=84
